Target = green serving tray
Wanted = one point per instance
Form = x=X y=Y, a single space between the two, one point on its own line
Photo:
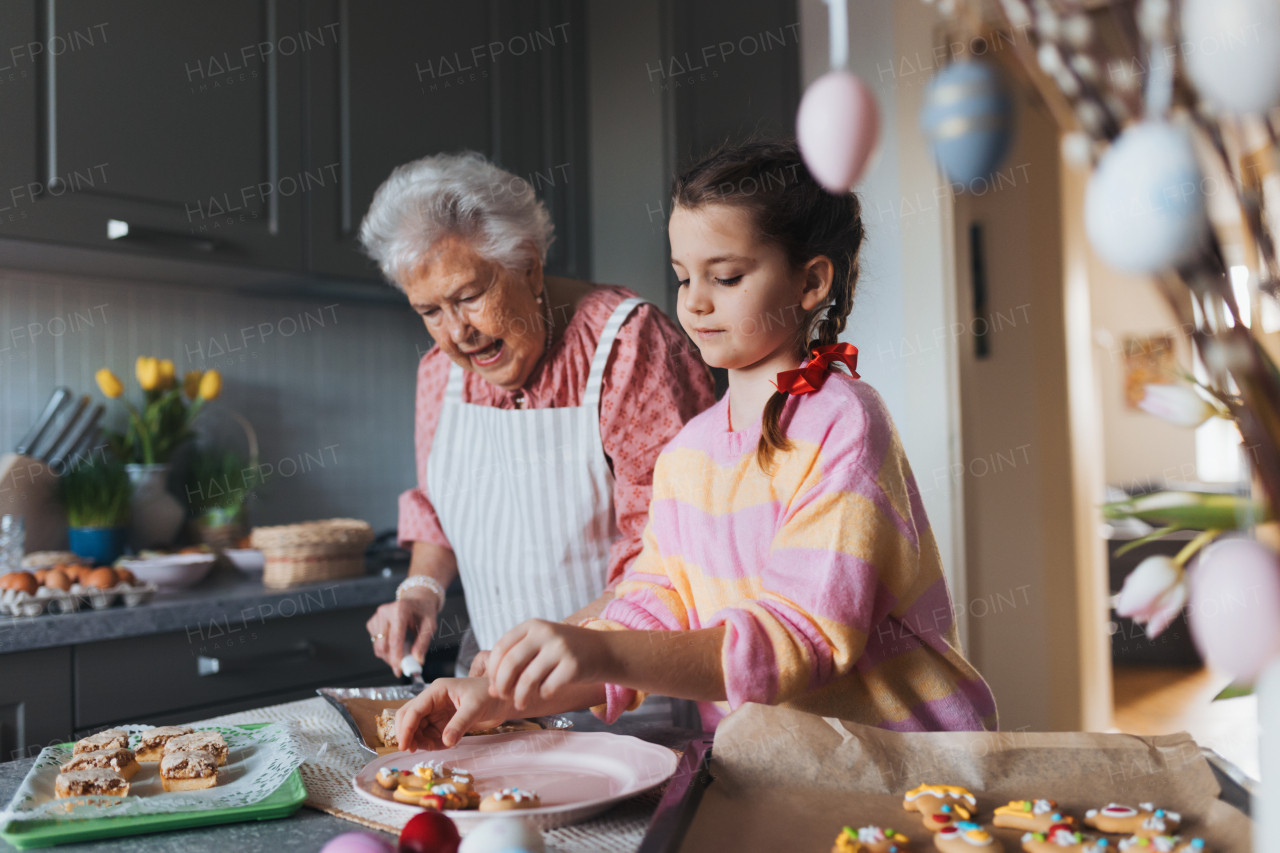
x=282 y=802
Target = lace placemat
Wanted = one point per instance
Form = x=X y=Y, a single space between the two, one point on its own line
x=333 y=758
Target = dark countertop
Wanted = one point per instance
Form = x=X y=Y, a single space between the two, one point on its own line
x=307 y=829
x=226 y=594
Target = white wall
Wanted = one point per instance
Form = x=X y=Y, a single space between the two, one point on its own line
x=904 y=309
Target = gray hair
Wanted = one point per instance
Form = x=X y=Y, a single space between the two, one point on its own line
x=462 y=194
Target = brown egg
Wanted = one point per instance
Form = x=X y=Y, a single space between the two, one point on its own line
x=57 y=580
x=40 y=575
x=125 y=576
x=24 y=581
x=103 y=578
x=6 y=580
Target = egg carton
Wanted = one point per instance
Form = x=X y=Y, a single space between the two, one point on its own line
x=17 y=602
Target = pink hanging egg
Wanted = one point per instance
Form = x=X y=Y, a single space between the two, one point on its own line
x=1234 y=607
x=837 y=127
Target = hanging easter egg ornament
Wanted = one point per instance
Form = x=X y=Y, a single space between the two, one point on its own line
x=1144 y=209
x=1235 y=607
x=838 y=123
x=968 y=118
x=1229 y=48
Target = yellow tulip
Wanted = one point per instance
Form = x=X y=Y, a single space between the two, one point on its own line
x=211 y=385
x=109 y=383
x=191 y=383
x=148 y=371
x=167 y=375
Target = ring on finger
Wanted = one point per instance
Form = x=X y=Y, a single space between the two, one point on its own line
x=376 y=637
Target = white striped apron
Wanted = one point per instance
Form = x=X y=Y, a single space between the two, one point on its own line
x=525 y=497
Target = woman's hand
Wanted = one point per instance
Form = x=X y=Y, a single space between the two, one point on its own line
x=537 y=658
x=447 y=709
x=416 y=610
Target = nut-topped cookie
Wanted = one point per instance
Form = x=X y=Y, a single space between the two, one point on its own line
x=94 y=781
x=385 y=723
x=1145 y=820
x=1031 y=815
x=940 y=805
x=965 y=836
x=122 y=761
x=110 y=739
x=211 y=742
x=151 y=742
x=188 y=771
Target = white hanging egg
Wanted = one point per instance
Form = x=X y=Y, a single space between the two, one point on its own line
x=1144 y=209
x=837 y=127
x=1230 y=51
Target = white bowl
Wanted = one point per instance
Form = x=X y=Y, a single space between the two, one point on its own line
x=246 y=559
x=174 y=571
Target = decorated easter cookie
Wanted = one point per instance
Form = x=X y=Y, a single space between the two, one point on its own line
x=1162 y=844
x=1146 y=820
x=940 y=805
x=966 y=837
x=1031 y=815
x=871 y=839
x=510 y=798
x=1060 y=838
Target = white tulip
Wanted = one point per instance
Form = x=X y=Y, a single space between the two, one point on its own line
x=1177 y=404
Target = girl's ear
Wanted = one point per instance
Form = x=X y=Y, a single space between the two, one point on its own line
x=818 y=273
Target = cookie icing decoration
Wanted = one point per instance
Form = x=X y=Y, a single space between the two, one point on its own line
x=940 y=791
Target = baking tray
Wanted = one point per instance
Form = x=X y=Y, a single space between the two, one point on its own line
x=684 y=792
x=284 y=801
x=335 y=695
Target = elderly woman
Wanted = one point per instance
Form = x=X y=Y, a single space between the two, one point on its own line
x=540 y=409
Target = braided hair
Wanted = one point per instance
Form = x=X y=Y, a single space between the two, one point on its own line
x=769 y=181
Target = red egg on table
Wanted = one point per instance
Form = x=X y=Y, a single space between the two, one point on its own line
x=429 y=832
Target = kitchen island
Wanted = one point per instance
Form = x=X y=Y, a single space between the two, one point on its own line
x=225 y=645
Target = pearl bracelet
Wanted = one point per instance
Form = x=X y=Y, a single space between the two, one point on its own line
x=415 y=581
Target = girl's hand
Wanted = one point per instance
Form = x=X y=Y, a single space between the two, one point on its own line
x=537 y=658
x=447 y=709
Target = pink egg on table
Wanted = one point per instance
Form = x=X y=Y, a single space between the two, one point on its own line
x=1234 y=607
x=837 y=127
x=357 y=842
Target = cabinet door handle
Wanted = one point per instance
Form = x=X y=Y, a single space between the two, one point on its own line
x=344 y=112
x=305 y=650
x=118 y=229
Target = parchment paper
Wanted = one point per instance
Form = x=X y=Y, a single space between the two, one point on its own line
x=786 y=780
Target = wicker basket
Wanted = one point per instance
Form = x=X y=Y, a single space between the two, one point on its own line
x=313 y=551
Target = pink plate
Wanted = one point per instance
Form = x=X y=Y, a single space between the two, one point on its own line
x=576 y=774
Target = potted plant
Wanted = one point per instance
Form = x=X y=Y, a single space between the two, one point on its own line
x=219 y=485
x=153 y=434
x=96 y=499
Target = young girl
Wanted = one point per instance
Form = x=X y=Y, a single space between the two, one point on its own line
x=787 y=559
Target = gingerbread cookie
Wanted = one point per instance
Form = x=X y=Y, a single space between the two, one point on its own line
x=1146 y=820
x=1061 y=838
x=1031 y=815
x=448 y=796
x=966 y=837
x=510 y=798
x=1162 y=844
x=871 y=839
x=940 y=805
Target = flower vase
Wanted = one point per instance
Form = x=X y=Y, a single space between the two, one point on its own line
x=155 y=515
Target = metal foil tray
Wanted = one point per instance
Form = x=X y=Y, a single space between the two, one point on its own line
x=335 y=695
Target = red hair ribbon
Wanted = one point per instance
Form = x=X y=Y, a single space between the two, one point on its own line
x=809 y=378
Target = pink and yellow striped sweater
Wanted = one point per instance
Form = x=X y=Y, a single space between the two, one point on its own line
x=826 y=573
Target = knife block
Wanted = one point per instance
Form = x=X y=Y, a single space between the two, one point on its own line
x=29 y=488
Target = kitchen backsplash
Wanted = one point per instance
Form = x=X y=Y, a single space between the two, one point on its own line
x=328 y=384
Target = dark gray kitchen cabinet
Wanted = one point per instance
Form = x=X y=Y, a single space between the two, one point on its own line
x=35 y=701
x=505 y=78
x=178 y=121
